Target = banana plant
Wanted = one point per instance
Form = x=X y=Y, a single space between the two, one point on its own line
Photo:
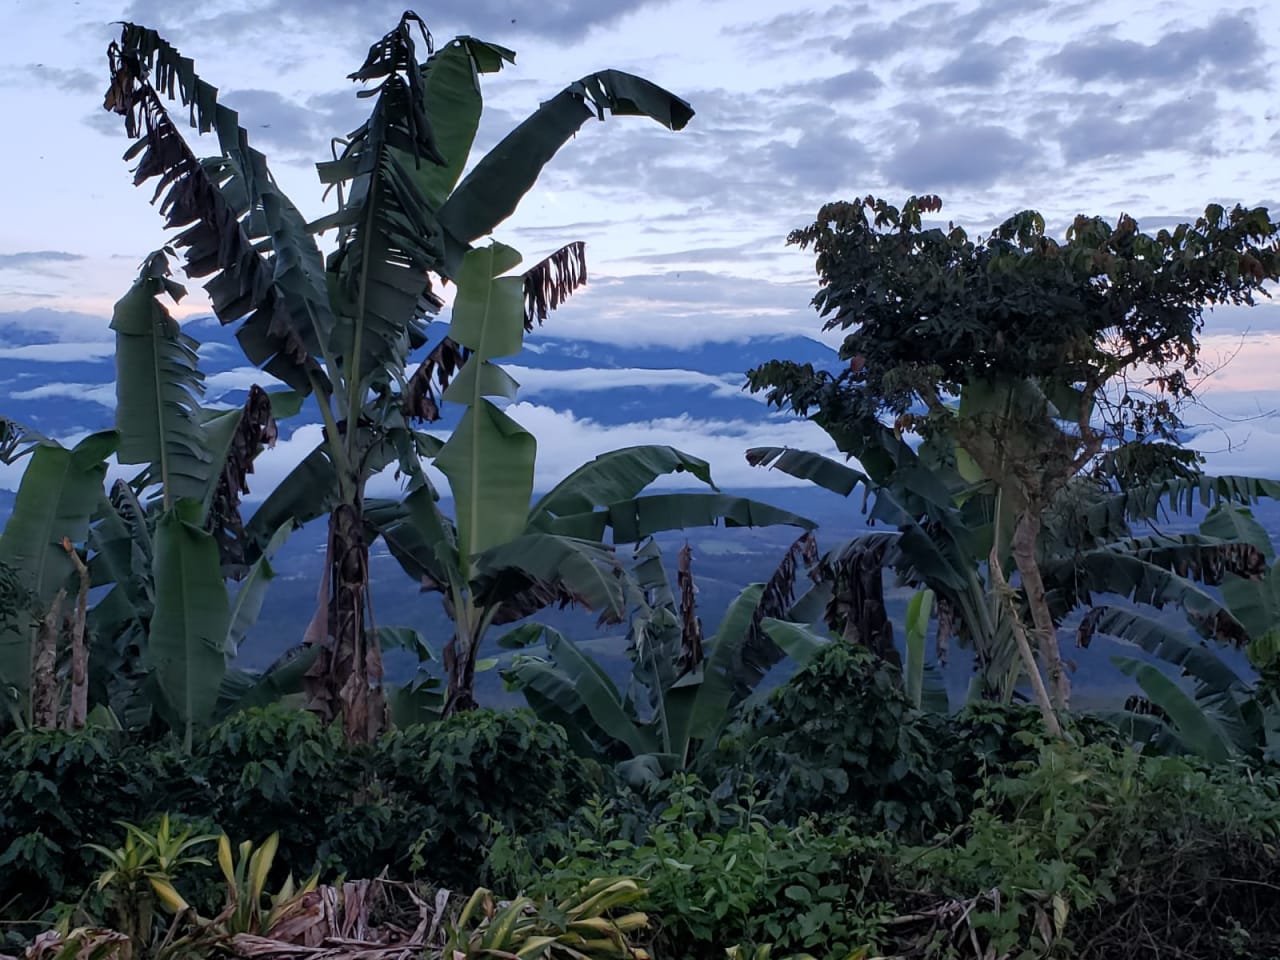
x=343 y=329
x=947 y=528
x=499 y=560
x=682 y=689
x=55 y=502
x=1222 y=715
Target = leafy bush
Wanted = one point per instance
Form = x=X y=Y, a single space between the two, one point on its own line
x=57 y=791
x=280 y=770
x=986 y=740
x=460 y=782
x=814 y=886
x=425 y=801
x=1093 y=850
x=841 y=738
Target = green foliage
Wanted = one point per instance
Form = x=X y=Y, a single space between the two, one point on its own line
x=426 y=801
x=1092 y=848
x=457 y=782
x=841 y=737
x=578 y=927
x=59 y=790
x=141 y=873
x=249 y=906
x=811 y=887
x=277 y=770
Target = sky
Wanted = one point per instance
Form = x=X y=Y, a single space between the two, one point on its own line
x=1151 y=109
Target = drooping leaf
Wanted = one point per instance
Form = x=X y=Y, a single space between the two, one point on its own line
x=1232 y=522
x=422 y=540
x=235 y=441
x=159 y=387
x=1195 y=726
x=612 y=477
x=491 y=191
x=527 y=573
x=825 y=472
x=799 y=642
x=577 y=684
x=1254 y=602
x=919 y=610
x=550 y=281
x=1158 y=639
x=308 y=491
x=635 y=519
x=242 y=690
x=228 y=206
x=192 y=617
x=253 y=590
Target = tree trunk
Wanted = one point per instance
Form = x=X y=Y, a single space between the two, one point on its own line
x=347 y=676
x=78 y=708
x=1005 y=592
x=44 y=667
x=460 y=670
x=1025 y=535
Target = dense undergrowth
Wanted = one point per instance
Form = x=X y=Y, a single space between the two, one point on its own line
x=833 y=819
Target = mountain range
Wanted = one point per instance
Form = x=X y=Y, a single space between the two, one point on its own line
x=65 y=390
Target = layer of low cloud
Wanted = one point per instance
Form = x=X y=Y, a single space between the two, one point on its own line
x=103 y=394
x=567 y=440
x=534 y=381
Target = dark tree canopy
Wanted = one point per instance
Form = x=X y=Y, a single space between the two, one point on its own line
x=931 y=310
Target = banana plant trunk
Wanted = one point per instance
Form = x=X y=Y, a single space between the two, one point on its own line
x=347 y=676
x=459 y=658
x=1025 y=535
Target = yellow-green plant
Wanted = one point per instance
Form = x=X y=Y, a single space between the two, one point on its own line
x=246 y=878
x=142 y=870
x=577 y=928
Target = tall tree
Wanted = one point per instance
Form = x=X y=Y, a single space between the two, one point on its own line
x=1024 y=359
x=343 y=328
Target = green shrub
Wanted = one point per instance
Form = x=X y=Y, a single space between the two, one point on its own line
x=59 y=790
x=1095 y=849
x=841 y=738
x=280 y=770
x=986 y=739
x=460 y=782
x=813 y=887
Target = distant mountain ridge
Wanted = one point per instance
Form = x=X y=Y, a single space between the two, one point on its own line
x=610 y=385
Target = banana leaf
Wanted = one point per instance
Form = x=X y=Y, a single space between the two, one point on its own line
x=612 y=477
x=159 y=388
x=59 y=492
x=192 y=617
x=814 y=467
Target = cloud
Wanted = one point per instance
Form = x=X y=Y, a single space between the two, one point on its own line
x=566 y=441
x=238 y=378
x=68 y=80
x=953 y=154
x=1227 y=46
x=1238 y=431
x=682 y=309
x=849 y=85
x=103 y=394
x=534 y=380
x=37 y=261
x=1101 y=128
x=565 y=20
x=982 y=65
x=66 y=352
